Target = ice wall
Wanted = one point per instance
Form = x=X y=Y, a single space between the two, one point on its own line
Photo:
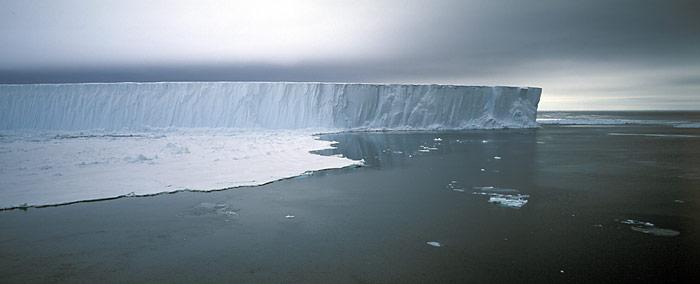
x=272 y=105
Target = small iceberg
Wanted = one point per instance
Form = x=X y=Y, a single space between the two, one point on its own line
x=504 y=197
x=649 y=228
x=453 y=185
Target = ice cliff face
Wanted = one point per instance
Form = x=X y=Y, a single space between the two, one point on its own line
x=274 y=105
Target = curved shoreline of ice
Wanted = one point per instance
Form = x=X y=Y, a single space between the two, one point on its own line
x=267 y=105
x=44 y=169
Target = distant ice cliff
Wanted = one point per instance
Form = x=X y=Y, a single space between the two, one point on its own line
x=271 y=105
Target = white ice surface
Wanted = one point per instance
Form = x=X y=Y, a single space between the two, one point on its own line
x=49 y=169
x=275 y=105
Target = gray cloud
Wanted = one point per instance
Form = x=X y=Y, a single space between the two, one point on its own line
x=568 y=47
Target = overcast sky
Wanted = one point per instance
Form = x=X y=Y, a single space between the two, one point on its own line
x=585 y=54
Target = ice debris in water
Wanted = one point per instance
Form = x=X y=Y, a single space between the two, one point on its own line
x=661 y=232
x=426 y=149
x=635 y=222
x=508 y=200
x=435 y=244
x=649 y=228
x=498 y=196
x=454 y=187
x=494 y=189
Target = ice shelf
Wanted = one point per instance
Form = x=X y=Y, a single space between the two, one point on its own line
x=270 y=105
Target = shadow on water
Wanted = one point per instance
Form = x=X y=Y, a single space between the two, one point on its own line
x=392 y=149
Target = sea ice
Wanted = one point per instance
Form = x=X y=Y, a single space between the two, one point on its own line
x=498 y=196
x=45 y=170
x=649 y=228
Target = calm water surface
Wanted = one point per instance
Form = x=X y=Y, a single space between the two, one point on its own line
x=603 y=204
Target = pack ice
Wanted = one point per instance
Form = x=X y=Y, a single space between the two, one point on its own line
x=61 y=143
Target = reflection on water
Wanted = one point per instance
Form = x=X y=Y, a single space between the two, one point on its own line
x=390 y=149
x=491 y=162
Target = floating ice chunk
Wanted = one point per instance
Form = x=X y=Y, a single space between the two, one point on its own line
x=483 y=187
x=454 y=187
x=661 y=232
x=505 y=200
x=495 y=189
x=635 y=222
x=649 y=228
x=434 y=244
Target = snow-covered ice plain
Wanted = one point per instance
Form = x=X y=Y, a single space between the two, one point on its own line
x=62 y=143
x=61 y=168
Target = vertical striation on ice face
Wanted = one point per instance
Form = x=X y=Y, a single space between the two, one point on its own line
x=273 y=105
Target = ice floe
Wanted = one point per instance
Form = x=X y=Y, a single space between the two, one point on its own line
x=454 y=186
x=501 y=197
x=649 y=228
x=44 y=170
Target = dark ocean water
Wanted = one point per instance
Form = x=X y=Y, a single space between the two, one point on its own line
x=576 y=202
